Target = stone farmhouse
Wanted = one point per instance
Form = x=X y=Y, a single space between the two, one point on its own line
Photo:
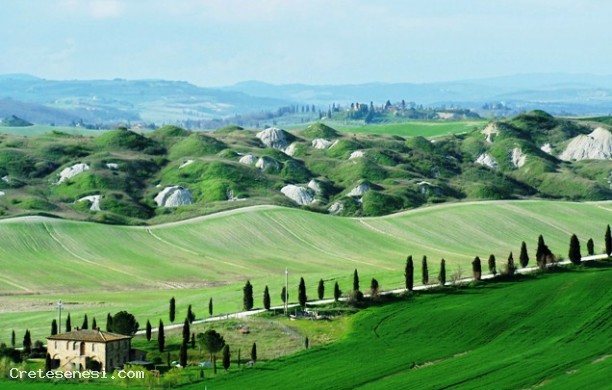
x=89 y=349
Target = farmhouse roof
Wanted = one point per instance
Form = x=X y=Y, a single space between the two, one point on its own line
x=91 y=335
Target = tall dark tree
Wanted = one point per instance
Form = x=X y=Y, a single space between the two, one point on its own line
x=608 y=241
x=254 y=353
x=247 y=296
x=574 y=250
x=148 y=331
x=125 y=323
x=492 y=265
x=183 y=355
x=442 y=275
x=524 y=257
x=355 y=281
x=161 y=337
x=85 y=323
x=94 y=324
x=193 y=342
x=284 y=296
x=13 y=338
x=266 y=298
x=302 y=293
x=540 y=250
x=590 y=247
x=374 y=288
x=27 y=342
x=477 y=268
x=321 y=289
x=424 y=271
x=210 y=307
x=186 y=331
x=53 y=327
x=190 y=314
x=226 y=357
x=68 y=324
x=510 y=267
x=48 y=363
x=109 y=322
x=409 y=274
x=172 y=310
x=337 y=292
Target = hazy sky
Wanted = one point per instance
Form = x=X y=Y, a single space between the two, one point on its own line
x=220 y=42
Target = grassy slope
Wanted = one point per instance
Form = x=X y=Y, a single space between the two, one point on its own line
x=553 y=332
x=416 y=128
x=98 y=268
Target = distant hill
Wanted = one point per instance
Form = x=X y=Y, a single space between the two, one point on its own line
x=125 y=177
x=14 y=121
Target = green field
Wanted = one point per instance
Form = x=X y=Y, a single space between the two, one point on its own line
x=426 y=129
x=552 y=333
x=96 y=269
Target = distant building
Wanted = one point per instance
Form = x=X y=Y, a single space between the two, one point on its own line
x=89 y=349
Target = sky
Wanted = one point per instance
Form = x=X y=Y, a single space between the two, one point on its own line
x=222 y=42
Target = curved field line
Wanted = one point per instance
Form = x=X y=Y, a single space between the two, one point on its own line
x=7 y=281
x=150 y=231
x=61 y=244
x=534 y=216
x=403 y=239
x=323 y=250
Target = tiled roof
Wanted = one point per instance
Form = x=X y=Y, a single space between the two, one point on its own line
x=90 y=335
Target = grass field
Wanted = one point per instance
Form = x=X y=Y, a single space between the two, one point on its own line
x=415 y=128
x=43 y=129
x=96 y=269
x=544 y=330
x=553 y=332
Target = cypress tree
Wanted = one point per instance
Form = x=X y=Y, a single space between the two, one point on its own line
x=541 y=252
x=183 y=355
x=193 y=341
x=53 y=327
x=409 y=274
x=48 y=363
x=477 y=268
x=355 y=281
x=284 y=295
x=13 y=338
x=374 y=286
x=27 y=342
x=85 y=323
x=492 y=266
x=68 y=324
x=186 y=331
x=210 y=307
x=424 y=271
x=608 y=241
x=574 y=250
x=590 y=247
x=254 y=353
x=510 y=267
x=109 y=322
x=321 y=289
x=94 y=325
x=190 y=314
x=442 y=275
x=247 y=299
x=172 y=310
x=148 y=331
x=524 y=257
x=306 y=343
x=302 y=293
x=266 y=298
x=337 y=292
x=161 y=338
x=226 y=357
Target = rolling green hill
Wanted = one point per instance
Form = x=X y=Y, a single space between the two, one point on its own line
x=98 y=268
x=233 y=167
x=552 y=332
